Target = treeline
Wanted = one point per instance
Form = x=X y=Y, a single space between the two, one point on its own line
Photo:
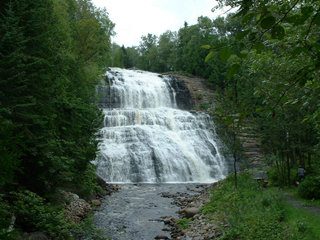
x=264 y=61
x=52 y=54
x=180 y=51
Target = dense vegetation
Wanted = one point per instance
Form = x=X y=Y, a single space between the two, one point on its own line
x=253 y=212
x=52 y=53
x=262 y=60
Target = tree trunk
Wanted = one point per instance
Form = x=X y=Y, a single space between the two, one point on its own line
x=288 y=168
x=235 y=161
x=235 y=170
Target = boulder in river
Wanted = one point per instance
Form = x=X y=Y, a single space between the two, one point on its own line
x=190 y=212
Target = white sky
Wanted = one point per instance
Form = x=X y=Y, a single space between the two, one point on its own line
x=136 y=18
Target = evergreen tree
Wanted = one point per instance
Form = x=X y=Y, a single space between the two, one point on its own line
x=48 y=76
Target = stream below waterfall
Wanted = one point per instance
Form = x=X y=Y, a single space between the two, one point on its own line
x=138 y=211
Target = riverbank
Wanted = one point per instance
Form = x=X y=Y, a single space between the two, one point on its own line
x=247 y=212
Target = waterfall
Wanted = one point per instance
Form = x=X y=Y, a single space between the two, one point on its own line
x=146 y=139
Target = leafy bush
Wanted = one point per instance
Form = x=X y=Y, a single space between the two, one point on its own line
x=275 y=178
x=86 y=182
x=33 y=214
x=280 y=178
x=205 y=106
x=5 y=232
x=310 y=187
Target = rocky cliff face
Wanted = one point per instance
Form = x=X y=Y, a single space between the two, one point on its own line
x=183 y=96
x=201 y=97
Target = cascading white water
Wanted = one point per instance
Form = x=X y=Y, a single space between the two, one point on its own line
x=146 y=139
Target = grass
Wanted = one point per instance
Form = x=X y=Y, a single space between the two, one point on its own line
x=293 y=192
x=303 y=221
x=252 y=212
x=183 y=223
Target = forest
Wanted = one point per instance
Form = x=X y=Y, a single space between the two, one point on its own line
x=262 y=60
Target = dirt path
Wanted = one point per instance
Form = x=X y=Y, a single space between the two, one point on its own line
x=299 y=204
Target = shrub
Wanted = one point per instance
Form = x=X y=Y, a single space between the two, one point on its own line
x=87 y=182
x=5 y=222
x=33 y=214
x=205 y=106
x=309 y=188
x=280 y=178
x=275 y=178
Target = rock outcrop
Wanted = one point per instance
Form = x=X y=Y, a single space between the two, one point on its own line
x=182 y=93
x=76 y=208
x=201 y=96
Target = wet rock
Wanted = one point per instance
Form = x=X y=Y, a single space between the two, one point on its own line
x=190 y=212
x=167 y=221
x=109 y=188
x=161 y=237
x=174 y=220
x=166 y=195
x=155 y=220
x=95 y=202
x=166 y=229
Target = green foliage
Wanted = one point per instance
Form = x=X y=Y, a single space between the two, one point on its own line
x=250 y=211
x=5 y=221
x=272 y=79
x=200 y=97
x=225 y=54
x=205 y=106
x=49 y=122
x=303 y=224
x=34 y=214
x=52 y=53
x=276 y=176
x=276 y=28
x=253 y=212
x=233 y=70
x=87 y=180
x=183 y=223
x=309 y=188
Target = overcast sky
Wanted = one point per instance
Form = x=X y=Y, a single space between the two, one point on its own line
x=134 y=18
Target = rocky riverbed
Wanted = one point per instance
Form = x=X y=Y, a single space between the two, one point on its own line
x=150 y=211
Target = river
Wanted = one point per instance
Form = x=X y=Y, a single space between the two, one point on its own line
x=138 y=211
